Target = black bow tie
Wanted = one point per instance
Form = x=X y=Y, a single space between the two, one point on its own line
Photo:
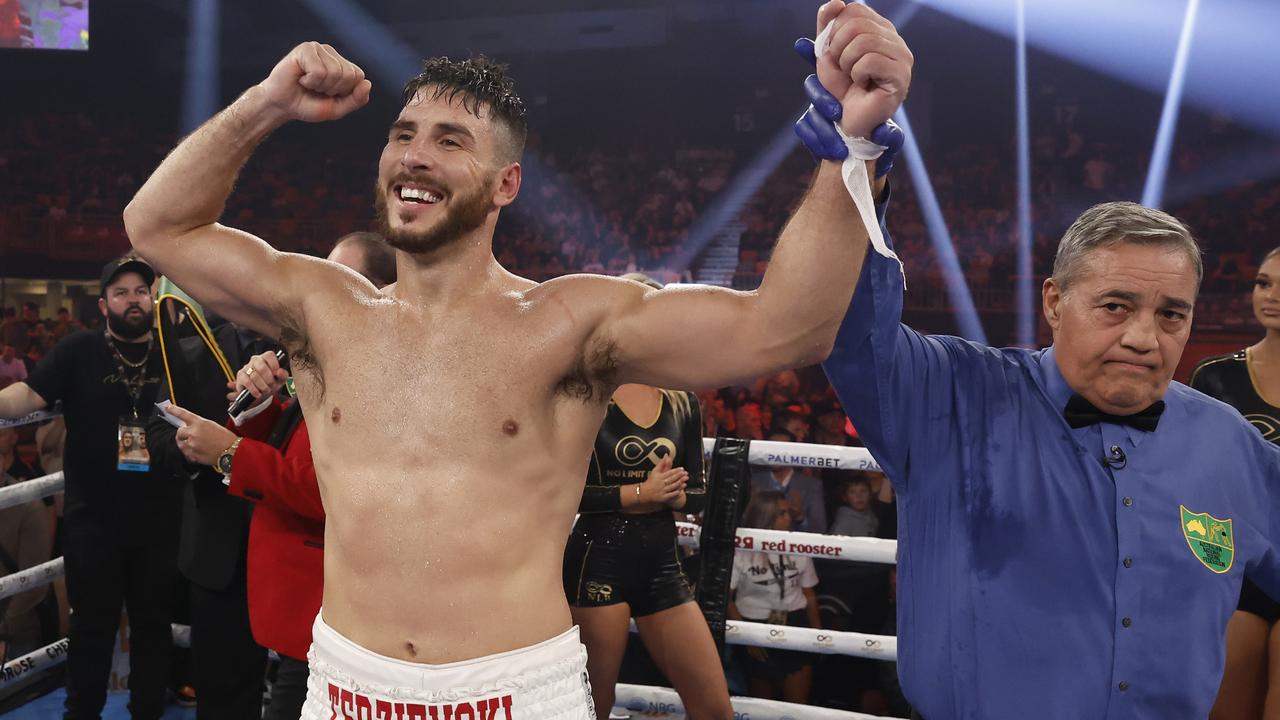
x=1080 y=413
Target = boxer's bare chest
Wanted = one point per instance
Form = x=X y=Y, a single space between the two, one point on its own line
x=486 y=376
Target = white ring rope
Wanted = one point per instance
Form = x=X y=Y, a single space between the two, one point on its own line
x=664 y=701
x=28 y=490
x=31 y=578
x=56 y=654
x=806 y=639
x=47 y=656
x=35 y=417
x=816 y=545
x=789 y=454
x=814 y=640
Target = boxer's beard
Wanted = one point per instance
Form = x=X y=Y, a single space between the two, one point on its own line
x=464 y=214
x=130 y=327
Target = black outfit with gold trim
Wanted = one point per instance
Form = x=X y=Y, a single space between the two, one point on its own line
x=615 y=557
x=1229 y=378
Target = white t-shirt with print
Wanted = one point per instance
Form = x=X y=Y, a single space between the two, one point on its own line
x=756 y=576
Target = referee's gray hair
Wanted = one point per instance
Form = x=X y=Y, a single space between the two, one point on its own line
x=1117 y=223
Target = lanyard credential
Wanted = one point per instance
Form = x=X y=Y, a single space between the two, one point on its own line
x=132 y=386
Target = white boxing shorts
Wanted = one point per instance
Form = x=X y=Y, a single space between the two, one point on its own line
x=547 y=681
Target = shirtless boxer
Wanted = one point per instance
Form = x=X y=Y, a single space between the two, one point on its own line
x=452 y=414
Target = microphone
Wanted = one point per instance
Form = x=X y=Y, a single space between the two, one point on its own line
x=245 y=398
x=1117 y=459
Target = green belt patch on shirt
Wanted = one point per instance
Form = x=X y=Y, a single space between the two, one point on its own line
x=1211 y=540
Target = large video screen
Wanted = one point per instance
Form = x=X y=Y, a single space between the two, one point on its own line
x=44 y=24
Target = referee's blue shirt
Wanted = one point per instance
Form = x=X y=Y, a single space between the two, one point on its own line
x=1034 y=580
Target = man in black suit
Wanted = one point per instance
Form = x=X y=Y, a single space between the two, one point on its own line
x=228 y=664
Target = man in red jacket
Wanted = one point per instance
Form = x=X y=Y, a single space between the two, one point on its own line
x=268 y=452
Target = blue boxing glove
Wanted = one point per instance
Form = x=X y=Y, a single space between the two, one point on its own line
x=816 y=128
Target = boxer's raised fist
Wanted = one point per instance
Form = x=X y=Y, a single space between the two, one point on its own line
x=866 y=65
x=314 y=83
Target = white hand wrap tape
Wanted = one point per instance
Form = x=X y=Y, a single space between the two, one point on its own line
x=854 y=170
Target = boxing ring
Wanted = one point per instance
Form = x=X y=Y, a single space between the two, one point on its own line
x=643 y=699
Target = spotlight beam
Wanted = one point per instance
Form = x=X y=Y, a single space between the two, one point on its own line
x=1131 y=40
x=388 y=58
x=726 y=205
x=731 y=200
x=740 y=189
x=1153 y=192
x=1025 y=302
x=200 y=90
x=957 y=289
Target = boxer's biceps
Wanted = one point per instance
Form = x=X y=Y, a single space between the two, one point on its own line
x=233 y=273
x=697 y=336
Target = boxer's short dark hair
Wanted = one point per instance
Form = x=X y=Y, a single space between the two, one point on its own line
x=483 y=85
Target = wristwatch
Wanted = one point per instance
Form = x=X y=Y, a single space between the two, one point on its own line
x=223 y=465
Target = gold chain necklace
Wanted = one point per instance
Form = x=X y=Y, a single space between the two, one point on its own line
x=125 y=360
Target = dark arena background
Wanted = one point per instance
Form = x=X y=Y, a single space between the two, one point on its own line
x=661 y=141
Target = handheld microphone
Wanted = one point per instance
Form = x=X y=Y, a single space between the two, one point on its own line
x=1117 y=459
x=245 y=398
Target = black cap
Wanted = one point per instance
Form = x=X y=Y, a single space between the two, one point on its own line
x=124 y=265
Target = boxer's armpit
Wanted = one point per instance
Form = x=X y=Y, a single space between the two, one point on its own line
x=594 y=372
x=297 y=343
